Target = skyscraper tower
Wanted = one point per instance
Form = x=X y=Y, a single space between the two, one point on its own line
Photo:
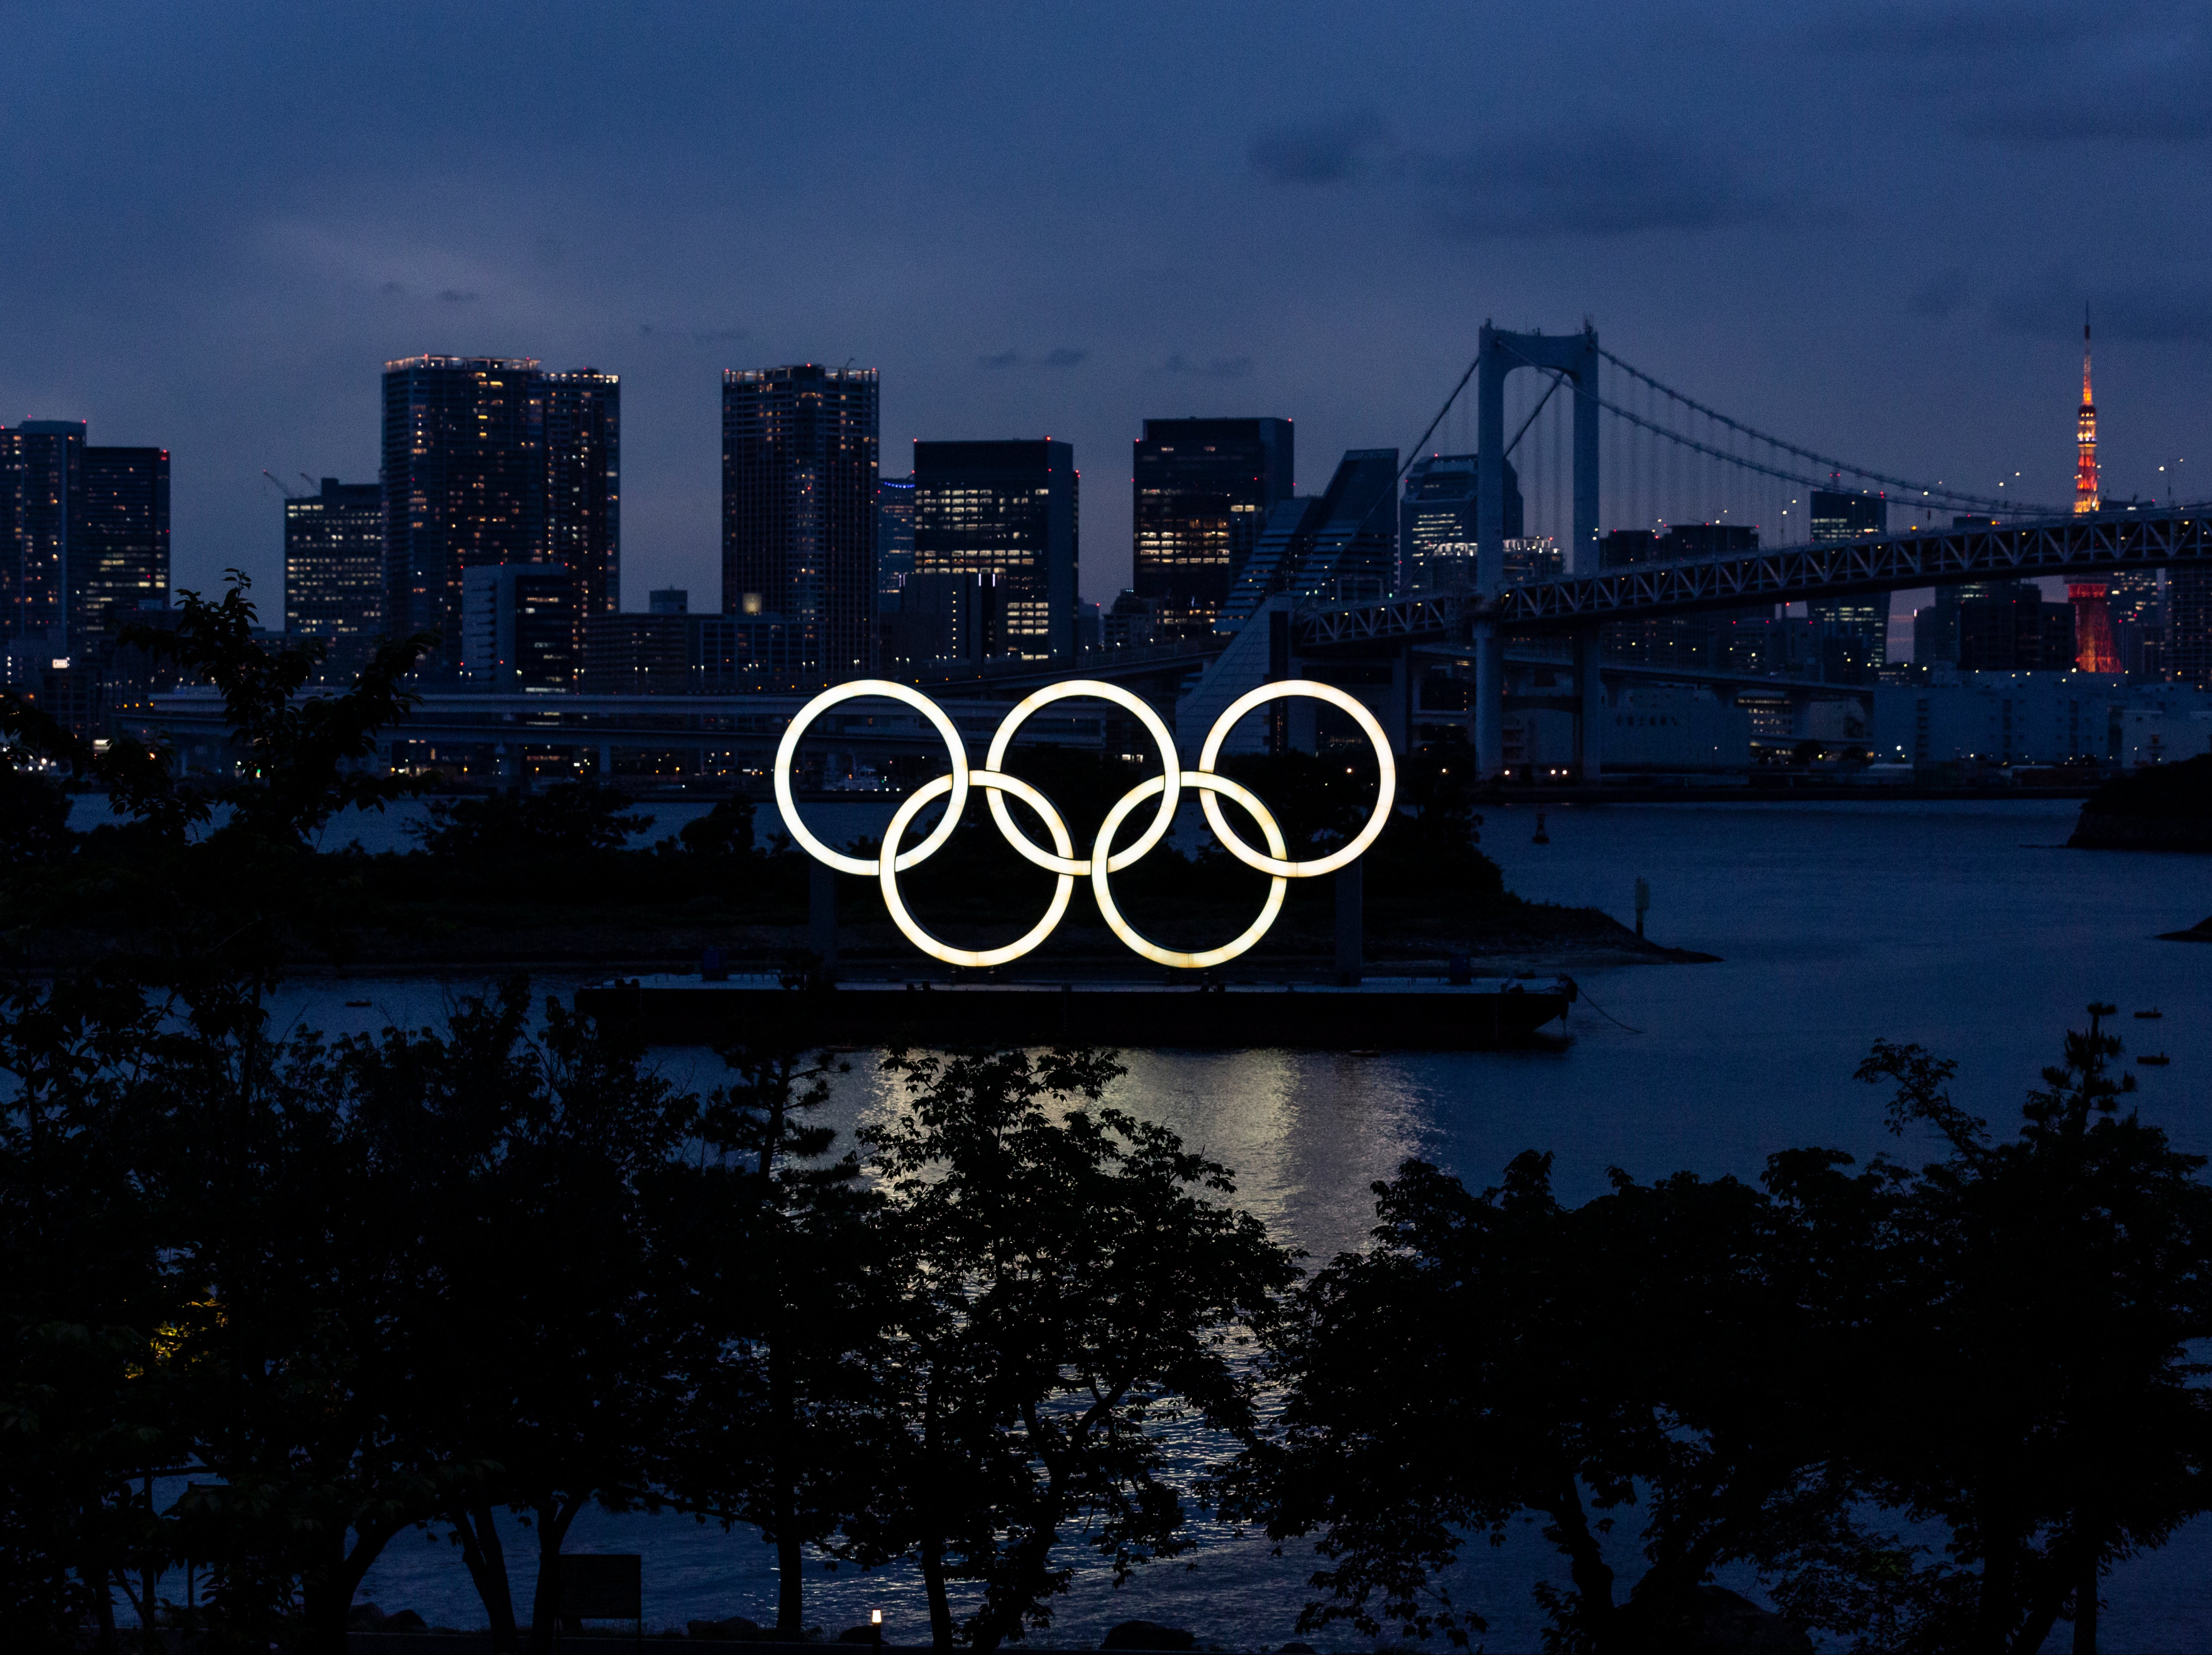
x=2084 y=467
x=799 y=509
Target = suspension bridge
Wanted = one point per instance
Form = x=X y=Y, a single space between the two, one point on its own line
x=1543 y=401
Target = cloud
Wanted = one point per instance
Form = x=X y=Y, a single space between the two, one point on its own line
x=1611 y=182
x=2044 y=73
x=2155 y=312
x=1940 y=295
x=391 y=287
x=1220 y=368
x=1063 y=357
x=1003 y=359
x=455 y=297
x=1319 y=152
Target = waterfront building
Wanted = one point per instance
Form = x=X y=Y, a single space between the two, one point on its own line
x=583 y=485
x=520 y=628
x=1008 y=509
x=2038 y=717
x=800 y=520
x=334 y=588
x=1202 y=490
x=1436 y=522
x=894 y=538
x=945 y=616
x=1839 y=517
x=670 y=651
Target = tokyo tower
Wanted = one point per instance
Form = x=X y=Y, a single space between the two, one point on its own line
x=2093 y=611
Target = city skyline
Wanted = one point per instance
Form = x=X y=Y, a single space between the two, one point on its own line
x=1208 y=217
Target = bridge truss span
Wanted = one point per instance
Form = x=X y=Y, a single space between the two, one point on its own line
x=2101 y=543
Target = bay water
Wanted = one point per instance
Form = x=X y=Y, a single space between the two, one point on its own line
x=1962 y=926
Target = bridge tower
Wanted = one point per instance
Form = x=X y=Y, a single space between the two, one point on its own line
x=1572 y=358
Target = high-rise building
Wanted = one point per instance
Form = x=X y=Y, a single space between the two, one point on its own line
x=1839 y=518
x=583 y=484
x=2187 y=653
x=1008 y=509
x=894 y=538
x=2086 y=492
x=84 y=533
x=119 y=548
x=334 y=570
x=1202 y=490
x=520 y=627
x=464 y=481
x=800 y=527
x=1436 y=520
x=41 y=496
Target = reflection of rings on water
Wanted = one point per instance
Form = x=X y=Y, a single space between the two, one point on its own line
x=1100 y=866
x=1104 y=860
x=822 y=703
x=1387 y=774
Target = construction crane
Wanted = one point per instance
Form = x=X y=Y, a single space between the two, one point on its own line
x=281 y=489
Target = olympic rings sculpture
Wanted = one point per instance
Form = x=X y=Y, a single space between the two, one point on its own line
x=1104 y=860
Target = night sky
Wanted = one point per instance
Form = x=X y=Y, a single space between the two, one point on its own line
x=1870 y=229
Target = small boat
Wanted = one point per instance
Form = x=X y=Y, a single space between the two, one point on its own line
x=2152 y=1012
x=2157 y=1060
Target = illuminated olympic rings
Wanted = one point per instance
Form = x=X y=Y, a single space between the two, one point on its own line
x=1104 y=860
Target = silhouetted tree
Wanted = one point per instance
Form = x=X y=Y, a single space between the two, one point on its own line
x=1074 y=1284
x=1499 y=1353
x=2040 y=1297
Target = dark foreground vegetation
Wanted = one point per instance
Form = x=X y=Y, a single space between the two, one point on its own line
x=274 y=1299
x=548 y=877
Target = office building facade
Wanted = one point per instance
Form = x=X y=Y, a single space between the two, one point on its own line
x=1008 y=509
x=1838 y=518
x=84 y=534
x=583 y=485
x=1436 y=522
x=800 y=518
x=334 y=587
x=489 y=460
x=2188 y=654
x=520 y=628
x=894 y=538
x=1203 y=490
x=118 y=555
x=464 y=483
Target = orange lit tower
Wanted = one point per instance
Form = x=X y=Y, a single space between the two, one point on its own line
x=2093 y=611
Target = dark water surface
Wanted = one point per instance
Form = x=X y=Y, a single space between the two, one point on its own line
x=1961 y=926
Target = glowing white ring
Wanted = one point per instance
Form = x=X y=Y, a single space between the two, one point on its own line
x=891 y=861
x=1154 y=725
x=1101 y=865
x=1386 y=771
x=1103 y=859
x=866 y=867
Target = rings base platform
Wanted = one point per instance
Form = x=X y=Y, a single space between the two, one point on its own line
x=1394 y=1014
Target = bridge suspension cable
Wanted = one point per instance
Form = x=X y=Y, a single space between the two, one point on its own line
x=1933 y=491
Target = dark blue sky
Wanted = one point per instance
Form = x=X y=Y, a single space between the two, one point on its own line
x=1868 y=228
